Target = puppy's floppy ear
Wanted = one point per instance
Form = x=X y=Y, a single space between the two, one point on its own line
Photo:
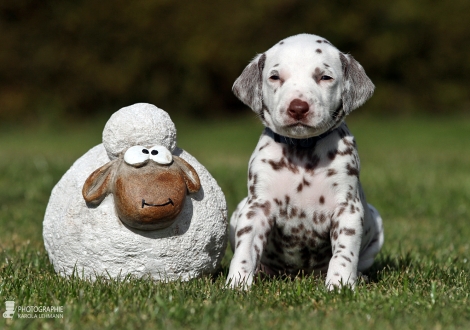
x=98 y=184
x=357 y=87
x=249 y=86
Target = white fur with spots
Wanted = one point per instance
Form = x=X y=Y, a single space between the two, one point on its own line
x=305 y=210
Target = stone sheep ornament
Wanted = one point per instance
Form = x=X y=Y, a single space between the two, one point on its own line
x=136 y=205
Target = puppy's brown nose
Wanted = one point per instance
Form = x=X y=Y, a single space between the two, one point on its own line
x=298 y=109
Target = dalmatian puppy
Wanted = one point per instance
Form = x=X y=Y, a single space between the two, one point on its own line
x=305 y=211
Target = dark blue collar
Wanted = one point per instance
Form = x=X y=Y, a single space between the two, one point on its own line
x=301 y=143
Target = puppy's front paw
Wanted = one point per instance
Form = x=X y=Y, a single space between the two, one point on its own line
x=239 y=281
x=338 y=282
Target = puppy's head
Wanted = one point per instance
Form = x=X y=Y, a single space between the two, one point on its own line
x=303 y=86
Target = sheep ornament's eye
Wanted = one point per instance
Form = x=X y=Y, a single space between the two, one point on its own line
x=139 y=155
x=136 y=155
x=161 y=155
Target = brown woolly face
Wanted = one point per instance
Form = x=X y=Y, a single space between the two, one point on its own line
x=149 y=186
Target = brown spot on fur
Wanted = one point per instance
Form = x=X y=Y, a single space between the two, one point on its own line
x=258 y=252
x=335 y=235
x=318 y=51
x=293 y=212
x=263 y=146
x=349 y=231
x=318 y=73
x=331 y=172
x=322 y=200
x=341 y=210
x=352 y=209
x=334 y=224
x=349 y=143
x=266 y=207
x=352 y=170
x=279 y=165
x=250 y=214
x=244 y=231
x=348 y=151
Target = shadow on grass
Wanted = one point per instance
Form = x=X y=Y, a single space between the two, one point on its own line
x=384 y=264
x=388 y=264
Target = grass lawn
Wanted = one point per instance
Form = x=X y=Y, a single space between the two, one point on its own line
x=415 y=171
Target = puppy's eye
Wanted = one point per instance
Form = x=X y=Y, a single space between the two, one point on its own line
x=161 y=155
x=136 y=155
x=274 y=77
x=324 y=77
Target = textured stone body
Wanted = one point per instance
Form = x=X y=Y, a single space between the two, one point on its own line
x=93 y=241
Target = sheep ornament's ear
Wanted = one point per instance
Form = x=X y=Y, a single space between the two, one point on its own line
x=357 y=87
x=98 y=184
x=249 y=86
x=189 y=175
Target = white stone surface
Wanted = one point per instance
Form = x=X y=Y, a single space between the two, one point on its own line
x=93 y=241
x=138 y=124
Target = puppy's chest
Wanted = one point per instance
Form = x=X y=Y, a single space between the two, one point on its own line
x=294 y=181
x=303 y=201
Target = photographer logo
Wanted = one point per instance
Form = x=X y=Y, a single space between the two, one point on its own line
x=33 y=312
x=10 y=309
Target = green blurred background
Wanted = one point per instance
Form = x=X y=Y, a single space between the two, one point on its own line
x=68 y=59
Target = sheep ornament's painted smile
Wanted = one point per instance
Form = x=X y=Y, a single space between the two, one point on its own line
x=147 y=204
x=149 y=186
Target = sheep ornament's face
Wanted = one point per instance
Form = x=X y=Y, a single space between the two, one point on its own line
x=149 y=186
